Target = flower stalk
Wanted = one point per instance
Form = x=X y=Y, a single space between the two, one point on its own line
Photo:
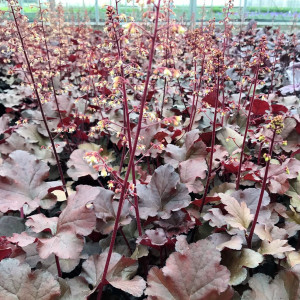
x=39 y=101
x=238 y=179
x=127 y=129
x=263 y=188
x=213 y=138
x=43 y=116
x=132 y=155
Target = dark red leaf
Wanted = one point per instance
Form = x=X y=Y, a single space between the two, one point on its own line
x=276 y=108
x=210 y=98
x=72 y=57
x=259 y=107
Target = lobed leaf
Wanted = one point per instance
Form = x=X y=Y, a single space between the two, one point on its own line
x=163 y=194
x=205 y=275
x=236 y=261
x=22 y=181
x=240 y=216
x=18 y=282
x=120 y=273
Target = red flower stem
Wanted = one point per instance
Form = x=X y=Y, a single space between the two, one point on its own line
x=51 y=78
x=246 y=130
x=213 y=138
x=194 y=96
x=131 y=160
x=22 y=213
x=264 y=184
x=259 y=153
x=122 y=159
x=127 y=123
x=199 y=86
x=241 y=89
x=166 y=58
x=248 y=96
x=147 y=152
x=193 y=116
x=40 y=105
x=224 y=53
x=163 y=98
x=58 y=266
x=272 y=79
x=183 y=100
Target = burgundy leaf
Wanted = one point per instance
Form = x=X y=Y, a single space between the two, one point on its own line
x=278 y=175
x=191 y=171
x=192 y=149
x=5 y=248
x=205 y=274
x=277 y=108
x=210 y=98
x=65 y=244
x=121 y=273
x=78 y=167
x=40 y=222
x=8 y=249
x=18 y=282
x=156 y=237
x=259 y=107
x=163 y=194
x=250 y=197
x=22 y=239
x=79 y=214
x=106 y=212
x=22 y=181
x=178 y=223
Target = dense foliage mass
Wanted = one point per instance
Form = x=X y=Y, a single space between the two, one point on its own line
x=148 y=160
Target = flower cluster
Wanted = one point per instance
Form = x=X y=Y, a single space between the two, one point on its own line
x=276 y=124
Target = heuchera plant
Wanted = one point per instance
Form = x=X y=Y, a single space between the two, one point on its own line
x=148 y=160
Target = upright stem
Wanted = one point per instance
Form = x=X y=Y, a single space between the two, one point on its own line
x=131 y=160
x=22 y=213
x=246 y=130
x=127 y=122
x=45 y=122
x=272 y=78
x=241 y=89
x=259 y=153
x=194 y=96
x=163 y=98
x=213 y=138
x=198 y=89
x=263 y=188
x=59 y=272
x=51 y=78
x=40 y=104
x=224 y=52
x=166 y=58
